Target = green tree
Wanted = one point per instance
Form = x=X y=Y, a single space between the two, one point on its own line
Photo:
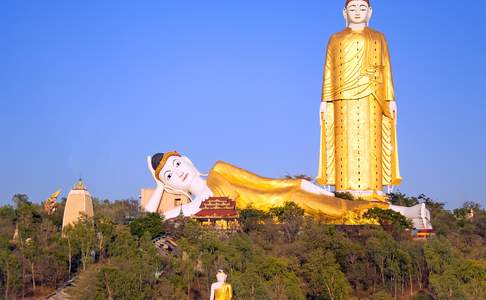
x=446 y=272
x=130 y=274
x=402 y=199
x=324 y=277
x=152 y=223
x=251 y=219
x=82 y=237
x=10 y=270
x=389 y=217
x=105 y=234
x=20 y=200
x=291 y=216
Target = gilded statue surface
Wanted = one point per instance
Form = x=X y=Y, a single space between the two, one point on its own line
x=358 y=150
x=177 y=173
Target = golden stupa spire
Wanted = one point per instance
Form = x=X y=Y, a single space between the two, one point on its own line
x=79 y=186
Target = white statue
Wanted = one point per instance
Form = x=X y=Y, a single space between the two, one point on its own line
x=178 y=174
x=221 y=290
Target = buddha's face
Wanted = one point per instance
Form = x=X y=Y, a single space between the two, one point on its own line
x=178 y=173
x=357 y=12
x=221 y=277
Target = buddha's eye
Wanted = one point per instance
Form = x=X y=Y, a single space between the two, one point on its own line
x=177 y=163
x=168 y=176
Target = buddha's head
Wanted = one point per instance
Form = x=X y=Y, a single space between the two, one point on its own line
x=221 y=276
x=174 y=171
x=357 y=12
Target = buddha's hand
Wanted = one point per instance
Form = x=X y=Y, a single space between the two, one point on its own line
x=203 y=196
x=393 y=109
x=152 y=171
x=206 y=194
x=323 y=111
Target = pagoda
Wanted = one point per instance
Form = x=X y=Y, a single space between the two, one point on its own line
x=218 y=213
x=78 y=203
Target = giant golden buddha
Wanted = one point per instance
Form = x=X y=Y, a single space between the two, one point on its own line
x=358 y=111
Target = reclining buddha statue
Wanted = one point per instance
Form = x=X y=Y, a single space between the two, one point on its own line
x=176 y=173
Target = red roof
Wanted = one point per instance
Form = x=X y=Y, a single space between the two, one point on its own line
x=217 y=207
x=217 y=213
x=218 y=203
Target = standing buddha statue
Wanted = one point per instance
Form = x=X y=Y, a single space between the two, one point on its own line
x=221 y=290
x=358 y=110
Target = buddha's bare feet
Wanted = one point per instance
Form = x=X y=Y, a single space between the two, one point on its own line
x=310 y=187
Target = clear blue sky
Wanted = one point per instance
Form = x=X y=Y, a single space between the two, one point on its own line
x=90 y=88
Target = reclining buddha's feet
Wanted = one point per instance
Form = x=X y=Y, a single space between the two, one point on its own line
x=310 y=187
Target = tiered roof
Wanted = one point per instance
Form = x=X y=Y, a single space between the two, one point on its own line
x=218 y=207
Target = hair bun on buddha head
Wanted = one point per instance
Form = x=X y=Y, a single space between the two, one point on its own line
x=367 y=1
x=156 y=158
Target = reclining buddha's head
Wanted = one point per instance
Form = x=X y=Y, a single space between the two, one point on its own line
x=174 y=171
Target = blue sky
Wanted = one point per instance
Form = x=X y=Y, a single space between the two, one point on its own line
x=90 y=88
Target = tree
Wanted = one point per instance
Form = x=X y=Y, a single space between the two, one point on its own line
x=324 y=277
x=402 y=199
x=152 y=223
x=105 y=233
x=21 y=199
x=82 y=237
x=291 y=216
x=251 y=219
x=10 y=269
x=389 y=217
x=130 y=273
x=119 y=212
x=444 y=264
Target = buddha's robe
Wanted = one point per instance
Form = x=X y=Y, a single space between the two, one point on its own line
x=358 y=136
x=225 y=292
x=250 y=190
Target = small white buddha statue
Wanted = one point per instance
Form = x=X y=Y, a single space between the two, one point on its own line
x=221 y=290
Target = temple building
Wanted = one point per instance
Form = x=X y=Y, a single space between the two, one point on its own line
x=78 y=203
x=168 y=201
x=419 y=215
x=218 y=213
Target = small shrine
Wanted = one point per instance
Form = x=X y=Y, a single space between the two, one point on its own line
x=218 y=213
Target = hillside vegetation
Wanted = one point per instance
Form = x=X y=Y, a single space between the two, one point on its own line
x=282 y=254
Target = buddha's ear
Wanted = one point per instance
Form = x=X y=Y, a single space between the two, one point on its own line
x=345 y=16
x=370 y=14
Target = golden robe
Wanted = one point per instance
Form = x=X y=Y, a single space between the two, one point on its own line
x=225 y=292
x=358 y=136
x=250 y=190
